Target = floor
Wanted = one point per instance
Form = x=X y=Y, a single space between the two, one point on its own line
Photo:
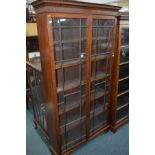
x=104 y=144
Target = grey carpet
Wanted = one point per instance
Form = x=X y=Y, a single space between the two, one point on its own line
x=104 y=144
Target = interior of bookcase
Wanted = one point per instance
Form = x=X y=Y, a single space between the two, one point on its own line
x=102 y=47
x=70 y=45
x=123 y=82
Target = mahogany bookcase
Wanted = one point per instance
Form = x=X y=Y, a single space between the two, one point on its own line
x=77 y=43
x=119 y=105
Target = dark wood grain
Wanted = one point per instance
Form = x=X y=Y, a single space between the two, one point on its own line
x=47 y=80
x=88 y=76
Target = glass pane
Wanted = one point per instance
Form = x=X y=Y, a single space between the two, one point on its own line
x=122 y=112
x=75 y=133
x=69 y=76
x=103 y=35
x=70 y=34
x=100 y=69
x=37 y=96
x=69 y=38
x=123 y=99
x=125 y=36
x=103 y=22
x=123 y=86
x=69 y=116
x=102 y=48
x=99 y=117
x=124 y=54
x=99 y=99
x=70 y=59
x=123 y=71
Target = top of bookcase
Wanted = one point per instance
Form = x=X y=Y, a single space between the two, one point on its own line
x=73 y=4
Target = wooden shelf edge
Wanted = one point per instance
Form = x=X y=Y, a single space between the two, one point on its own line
x=120 y=107
x=79 y=61
x=124 y=63
x=76 y=83
x=124 y=46
x=122 y=93
x=127 y=77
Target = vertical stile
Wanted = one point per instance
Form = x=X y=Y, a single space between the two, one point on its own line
x=53 y=88
x=95 y=69
x=88 y=75
x=80 y=80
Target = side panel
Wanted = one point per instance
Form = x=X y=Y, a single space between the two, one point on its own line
x=112 y=116
x=48 y=82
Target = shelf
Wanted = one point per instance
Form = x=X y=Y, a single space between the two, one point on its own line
x=99 y=107
x=124 y=63
x=79 y=61
x=100 y=56
x=69 y=41
x=123 y=86
x=69 y=63
x=122 y=112
x=122 y=93
x=100 y=93
x=124 y=46
x=127 y=77
x=69 y=85
x=103 y=26
x=76 y=82
x=123 y=71
x=70 y=126
x=64 y=27
x=124 y=105
x=73 y=105
x=101 y=38
x=99 y=76
x=76 y=123
x=121 y=100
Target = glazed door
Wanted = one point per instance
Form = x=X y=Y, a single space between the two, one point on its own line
x=123 y=77
x=101 y=54
x=70 y=55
